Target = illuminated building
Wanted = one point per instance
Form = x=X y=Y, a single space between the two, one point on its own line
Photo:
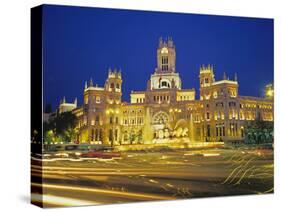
x=269 y=91
x=65 y=106
x=165 y=112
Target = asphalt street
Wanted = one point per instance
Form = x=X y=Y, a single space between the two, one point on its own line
x=151 y=176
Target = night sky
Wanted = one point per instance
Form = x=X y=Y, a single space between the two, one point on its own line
x=80 y=43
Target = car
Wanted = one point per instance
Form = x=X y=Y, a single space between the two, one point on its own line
x=104 y=154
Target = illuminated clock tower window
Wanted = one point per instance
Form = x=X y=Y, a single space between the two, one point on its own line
x=165 y=63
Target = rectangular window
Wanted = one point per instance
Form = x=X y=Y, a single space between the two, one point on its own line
x=97 y=119
x=92 y=135
x=164 y=67
x=97 y=135
x=164 y=60
x=217 y=131
x=111 y=135
x=100 y=135
x=208 y=131
x=116 y=135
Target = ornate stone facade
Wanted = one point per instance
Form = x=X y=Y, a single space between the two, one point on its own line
x=166 y=113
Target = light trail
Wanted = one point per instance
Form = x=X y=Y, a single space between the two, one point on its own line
x=60 y=201
x=244 y=174
x=150 y=173
x=73 y=159
x=84 y=169
x=211 y=154
x=176 y=175
x=229 y=176
x=243 y=166
x=141 y=196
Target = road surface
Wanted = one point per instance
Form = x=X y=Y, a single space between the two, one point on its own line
x=151 y=176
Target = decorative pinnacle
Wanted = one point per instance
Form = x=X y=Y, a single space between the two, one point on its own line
x=91 y=83
x=160 y=41
x=224 y=76
x=86 y=85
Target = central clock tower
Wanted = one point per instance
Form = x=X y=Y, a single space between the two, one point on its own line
x=165 y=75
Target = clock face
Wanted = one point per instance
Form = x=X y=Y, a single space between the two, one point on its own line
x=164 y=50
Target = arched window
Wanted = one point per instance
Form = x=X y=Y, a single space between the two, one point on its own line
x=165 y=84
x=117 y=86
x=112 y=85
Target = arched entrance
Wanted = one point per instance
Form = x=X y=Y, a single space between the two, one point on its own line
x=159 y=123
x=166 y=130
x=160 y=118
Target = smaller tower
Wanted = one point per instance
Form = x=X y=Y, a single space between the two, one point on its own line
x=113 y=85
x=114 y=81
x=235 y=77
x=206 y=78
x=91 y=84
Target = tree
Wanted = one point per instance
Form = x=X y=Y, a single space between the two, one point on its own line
x=63 y=127
x=49 y=137
x=258 y=132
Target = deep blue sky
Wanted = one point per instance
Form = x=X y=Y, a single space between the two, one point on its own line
x=80 y=43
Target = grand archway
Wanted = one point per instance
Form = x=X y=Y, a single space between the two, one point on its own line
x=159 y=125
x=160 y=118
x=165 y=130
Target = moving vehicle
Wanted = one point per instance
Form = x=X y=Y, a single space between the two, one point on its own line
x=103 y=152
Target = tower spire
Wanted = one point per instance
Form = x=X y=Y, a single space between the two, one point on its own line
x=91 y=83
x=224 y=76
x=86 y=85
x=235 y=77
x=160 y=42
